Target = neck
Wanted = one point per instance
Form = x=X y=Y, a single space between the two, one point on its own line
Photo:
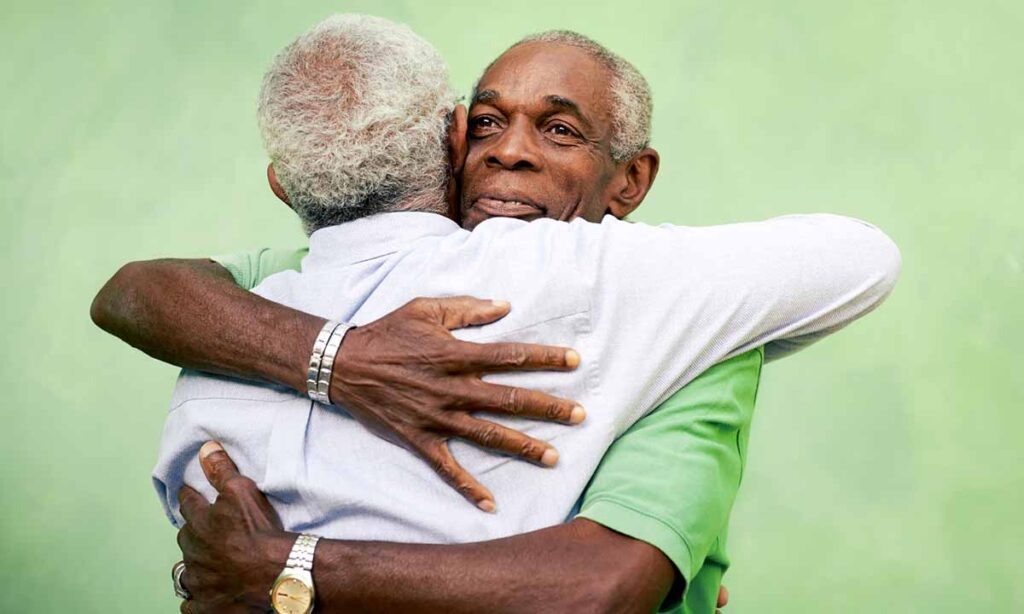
x=429 y=202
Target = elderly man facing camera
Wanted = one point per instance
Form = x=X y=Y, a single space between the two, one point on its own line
x=354 y=116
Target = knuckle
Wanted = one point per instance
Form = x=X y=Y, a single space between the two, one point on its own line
x=489 y=436
x=556 y=410
x=511 y=356
x=239 y=484
x=517 y=356
x=441 y=465
x=416 y=306
x=529 y=449
x=512 y=401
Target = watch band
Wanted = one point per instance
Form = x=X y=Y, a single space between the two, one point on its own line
x=301 y=556
x=293 y=591
x=323 y=384
x=316 y=359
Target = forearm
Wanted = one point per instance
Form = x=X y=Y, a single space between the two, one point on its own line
x=577 y=567
x=191 y=314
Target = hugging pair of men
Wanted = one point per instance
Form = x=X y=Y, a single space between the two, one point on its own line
x=634 y=414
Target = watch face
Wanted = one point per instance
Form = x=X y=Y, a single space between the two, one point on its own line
x=292 y=596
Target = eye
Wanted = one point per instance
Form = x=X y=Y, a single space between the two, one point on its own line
x=561 y=131
x=482 y=125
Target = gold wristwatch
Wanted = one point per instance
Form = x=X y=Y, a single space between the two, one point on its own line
x=293 y=592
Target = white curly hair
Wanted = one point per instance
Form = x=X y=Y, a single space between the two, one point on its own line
x=354 y=115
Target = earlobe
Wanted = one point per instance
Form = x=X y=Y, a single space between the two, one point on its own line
x=275 y=185
x=638 y=177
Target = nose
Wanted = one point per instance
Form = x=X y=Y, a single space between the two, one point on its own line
x=515 y=149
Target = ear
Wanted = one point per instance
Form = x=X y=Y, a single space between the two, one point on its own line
x=637 y=179
x=275 y=185
x=457 y=146
x=457 y=149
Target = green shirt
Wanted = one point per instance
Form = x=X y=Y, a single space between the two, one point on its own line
x=670 y=480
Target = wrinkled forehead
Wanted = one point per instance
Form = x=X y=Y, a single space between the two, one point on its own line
x=531 y=75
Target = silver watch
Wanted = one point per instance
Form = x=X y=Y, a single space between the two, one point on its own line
x=293 y=591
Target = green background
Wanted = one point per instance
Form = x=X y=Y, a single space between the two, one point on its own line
x=886 y=472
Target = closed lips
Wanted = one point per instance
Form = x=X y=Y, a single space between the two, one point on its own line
x=506 y=208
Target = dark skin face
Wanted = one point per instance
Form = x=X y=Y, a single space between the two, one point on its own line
x=539 y=141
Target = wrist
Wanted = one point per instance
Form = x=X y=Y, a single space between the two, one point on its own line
x=298 y=347
x=273 y=550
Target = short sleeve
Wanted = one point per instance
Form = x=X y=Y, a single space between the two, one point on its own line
x=672 y=478
x=252 y=267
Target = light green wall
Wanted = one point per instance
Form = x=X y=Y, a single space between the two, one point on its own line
x=886 y=471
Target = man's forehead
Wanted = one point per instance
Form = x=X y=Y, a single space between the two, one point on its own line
x=550 y=73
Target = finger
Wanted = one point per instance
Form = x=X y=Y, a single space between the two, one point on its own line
x=217 y=465
x=459 y=311
x=498 y=357
x=440 y=458
x=523 y=402
x=185 y=542
x=188 y=579
x=497 y=437
x=723 y=596
x=191 y=502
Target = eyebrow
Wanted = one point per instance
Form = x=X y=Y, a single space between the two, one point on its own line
x=569 y=106
x=486 y=96
x=560 y=102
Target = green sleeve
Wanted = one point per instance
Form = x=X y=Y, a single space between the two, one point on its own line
x=671 y=479
x=252 y=267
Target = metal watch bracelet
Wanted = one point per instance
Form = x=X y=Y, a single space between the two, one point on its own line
x=316 y=358
x=301 y=556
x=321 y=360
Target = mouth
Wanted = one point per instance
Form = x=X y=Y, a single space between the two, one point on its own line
x=507 y=207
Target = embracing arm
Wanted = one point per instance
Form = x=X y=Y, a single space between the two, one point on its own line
x=576 y=567
x=235 y=548
x=403 y=376
x=190 y=313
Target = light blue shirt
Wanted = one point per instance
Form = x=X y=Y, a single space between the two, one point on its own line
x=648 y=309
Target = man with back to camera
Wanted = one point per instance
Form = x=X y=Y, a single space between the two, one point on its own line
x=503 y=121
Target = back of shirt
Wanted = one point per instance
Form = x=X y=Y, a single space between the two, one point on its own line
x=648 y=309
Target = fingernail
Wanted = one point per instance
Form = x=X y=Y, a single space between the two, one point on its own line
x=550 y=457
x=487 y=505
x=502 y=304
x=577 y=415
x=209 y=448
x=572 y=359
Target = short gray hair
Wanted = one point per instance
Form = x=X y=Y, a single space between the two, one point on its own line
x=631 y=106
x=354 y=115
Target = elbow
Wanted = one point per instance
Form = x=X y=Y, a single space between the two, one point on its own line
x=886 y=262
x=874 y=256
x=113 y=301
x=893 y=266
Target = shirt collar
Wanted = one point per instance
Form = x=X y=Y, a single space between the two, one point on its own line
x=374 y=236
